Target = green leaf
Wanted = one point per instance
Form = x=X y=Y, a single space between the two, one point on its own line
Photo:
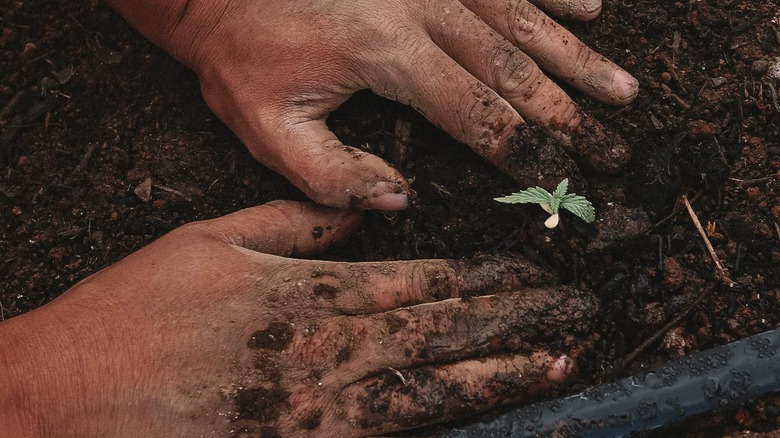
x=551 y=202
x=561 y=189
x=534 y=195
x=579 y=206
x=557 y=195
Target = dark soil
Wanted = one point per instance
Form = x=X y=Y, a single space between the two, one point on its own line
x=106 y=144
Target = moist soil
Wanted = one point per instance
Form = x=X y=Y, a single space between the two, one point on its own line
x=106 y=144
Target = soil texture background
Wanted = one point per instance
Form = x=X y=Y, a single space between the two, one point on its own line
x=106 y=144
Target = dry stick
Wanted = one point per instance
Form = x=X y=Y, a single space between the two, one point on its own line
x=82 y=163
x=680 y=101
x=724 y=274
x=173 y=191
x=9 y=107
x=662 y=332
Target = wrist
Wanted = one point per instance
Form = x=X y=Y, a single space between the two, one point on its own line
x=33 y=397
x=51 y=386
x=180 y=27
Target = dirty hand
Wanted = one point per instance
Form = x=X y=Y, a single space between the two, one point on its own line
x=212 y=329
x=274 y=70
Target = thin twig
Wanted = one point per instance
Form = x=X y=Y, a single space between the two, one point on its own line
x=680 y=101
x=173 y=191
x=9 y=107
x=774 y=95
x=674 y=212
x=746 y=182
x=657 y=335
x=724 y=274
x=82 y=162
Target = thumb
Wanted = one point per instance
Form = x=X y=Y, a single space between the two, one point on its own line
x=331 y=173
x=284 y=228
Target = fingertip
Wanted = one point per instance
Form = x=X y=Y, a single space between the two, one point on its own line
x=560 y=369
x=624 y=87
x=582 y=10
x=344 y=177
x=388 y=196
x=588 y=10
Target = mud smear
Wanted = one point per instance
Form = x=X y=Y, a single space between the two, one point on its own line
x=425 y=395
x=489 y=273
x=508 y=322
x=261 y=404
x=536 y=158
x=592 y=143
x=395 y=322
x=325 y=290
x=276 y=337
x=311 y=422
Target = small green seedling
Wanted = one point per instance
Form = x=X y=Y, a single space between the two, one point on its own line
x=552 y=202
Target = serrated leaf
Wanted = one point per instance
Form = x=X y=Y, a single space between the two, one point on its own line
x=579 y=206
x=561 y=189
x=558 y=194
x=534 y=195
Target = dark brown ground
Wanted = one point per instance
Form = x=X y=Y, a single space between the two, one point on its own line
x=89 y=110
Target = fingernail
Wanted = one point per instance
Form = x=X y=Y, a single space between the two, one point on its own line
x=624 y=86
x=388 y=196
x=559 y=369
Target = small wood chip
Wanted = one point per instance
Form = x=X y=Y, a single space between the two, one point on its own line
x=144 y=190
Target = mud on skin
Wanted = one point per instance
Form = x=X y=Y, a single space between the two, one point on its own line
x=424 y=394
x=495 y=272
x=536 y=157
x=501 y=323
x=536 y=152
x=412 y=397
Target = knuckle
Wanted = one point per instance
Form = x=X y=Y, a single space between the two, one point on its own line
x=525 y=21
x=519 y=77
x=433 y=281
x=192 y=230
x=487 y=118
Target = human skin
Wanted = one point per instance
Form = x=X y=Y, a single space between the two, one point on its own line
x=210 y=330
x=274 y=70
x=214 y=330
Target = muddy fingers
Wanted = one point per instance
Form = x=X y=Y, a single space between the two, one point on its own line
x=556 y=49
x=503 y=67
x=407 y=398
x=456 y=329
x=372 y=287
x=451 y=97
x=361 y=375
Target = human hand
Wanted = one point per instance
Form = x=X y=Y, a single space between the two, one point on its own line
x=274 y=70
x=212 y=329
